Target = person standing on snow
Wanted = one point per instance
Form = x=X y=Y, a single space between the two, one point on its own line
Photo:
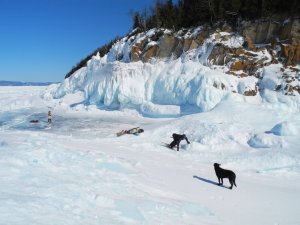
x=177 y=139
x=49 y=118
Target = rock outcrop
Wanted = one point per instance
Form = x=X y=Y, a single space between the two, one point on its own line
x=291 y=53
x=167 y=44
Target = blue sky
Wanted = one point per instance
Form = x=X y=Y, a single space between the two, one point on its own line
x=41 y=40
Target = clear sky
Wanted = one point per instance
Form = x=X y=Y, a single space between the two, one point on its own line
x=41 y=40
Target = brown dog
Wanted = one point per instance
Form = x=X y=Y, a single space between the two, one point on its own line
x=221 y=173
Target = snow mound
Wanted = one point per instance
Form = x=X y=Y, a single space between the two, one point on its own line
x=265 y=140
x=152 y=110
x=285 y=129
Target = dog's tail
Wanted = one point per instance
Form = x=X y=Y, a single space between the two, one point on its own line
x=234 y=180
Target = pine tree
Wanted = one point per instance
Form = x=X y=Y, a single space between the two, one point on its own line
x=137 y=20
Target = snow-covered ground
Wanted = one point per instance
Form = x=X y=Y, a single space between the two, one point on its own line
x=79 y=172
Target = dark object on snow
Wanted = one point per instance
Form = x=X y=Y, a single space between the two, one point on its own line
x=34 y=121
x=49 y=117
x=177 y=139
x=135 y=131
x=221 y=173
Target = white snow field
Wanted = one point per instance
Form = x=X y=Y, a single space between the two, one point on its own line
x=79 y=172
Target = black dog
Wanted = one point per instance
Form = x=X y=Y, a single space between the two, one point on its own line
x=177 y=139
x=221 y=173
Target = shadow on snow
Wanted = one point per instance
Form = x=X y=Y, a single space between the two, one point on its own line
x=209 y=181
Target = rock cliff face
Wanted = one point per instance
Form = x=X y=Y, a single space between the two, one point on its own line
x=260 y=35
x=286 y=34
x=256 y=44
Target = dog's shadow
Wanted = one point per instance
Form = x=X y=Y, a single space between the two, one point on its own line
x=209 y=181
